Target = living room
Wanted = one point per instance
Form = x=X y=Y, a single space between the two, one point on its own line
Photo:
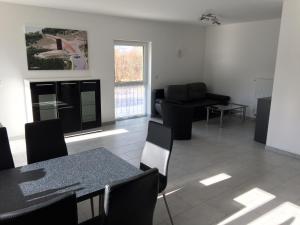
x=237 y=52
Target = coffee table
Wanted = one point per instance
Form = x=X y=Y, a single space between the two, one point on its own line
x=231 y=108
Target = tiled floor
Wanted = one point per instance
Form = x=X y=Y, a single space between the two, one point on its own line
x=254 y=186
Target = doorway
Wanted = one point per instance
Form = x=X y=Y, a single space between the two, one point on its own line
x=131 y=79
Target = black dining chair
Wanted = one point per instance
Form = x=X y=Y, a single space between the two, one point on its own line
x=179 y=118
x=59 y=210
x=131 y=201
x=6 y=159
x=156 y=154
x=44 y=140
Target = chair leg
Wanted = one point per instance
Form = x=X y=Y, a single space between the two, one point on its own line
x=92 y=207
x=101 y=206
x=166 y=203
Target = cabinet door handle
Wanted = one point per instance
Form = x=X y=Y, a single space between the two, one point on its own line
x=89 y=82
x=68 y=83
x=41 y=85
x=66 y=107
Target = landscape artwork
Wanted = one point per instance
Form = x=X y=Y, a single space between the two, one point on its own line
x=56 y=49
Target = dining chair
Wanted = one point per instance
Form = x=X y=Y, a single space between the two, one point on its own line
x=44 y=140
x=131 y=201
x=179 y=118
x=6 y=159
x=156 y=154
x=59 y=210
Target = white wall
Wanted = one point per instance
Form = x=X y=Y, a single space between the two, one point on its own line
x=238 y=54
x=284 y=127
x=166 y=39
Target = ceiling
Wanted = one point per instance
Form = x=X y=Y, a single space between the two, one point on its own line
x=183 y=11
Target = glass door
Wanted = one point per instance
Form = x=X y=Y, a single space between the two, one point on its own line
x=90 y=104
x=130 y=79
x=44 y=101
x=69 y=105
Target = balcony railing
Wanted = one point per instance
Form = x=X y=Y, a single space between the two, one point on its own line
x=129 y=100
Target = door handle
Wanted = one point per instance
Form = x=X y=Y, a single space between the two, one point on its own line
x=66 y=107
x=41 y=85
x=89 y=82
x=68 y=83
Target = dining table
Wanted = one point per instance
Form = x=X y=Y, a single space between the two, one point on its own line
x=85 y=173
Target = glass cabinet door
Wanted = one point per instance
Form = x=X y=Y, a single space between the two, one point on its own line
x=69 y=105
x=76 y=103
x=90 y=104
x=44 y=101
x=88 y=107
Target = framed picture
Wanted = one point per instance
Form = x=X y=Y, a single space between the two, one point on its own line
x=56 y=49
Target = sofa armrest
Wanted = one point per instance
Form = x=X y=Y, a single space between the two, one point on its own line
x=222 y=98
x=156 y=94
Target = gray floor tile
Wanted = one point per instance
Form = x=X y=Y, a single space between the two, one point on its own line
x=212 y=151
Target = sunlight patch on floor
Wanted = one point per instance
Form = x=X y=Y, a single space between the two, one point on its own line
x=286 y=213
x=215 y=179
x=251 y=200
x=170 y=192
x=90 y=136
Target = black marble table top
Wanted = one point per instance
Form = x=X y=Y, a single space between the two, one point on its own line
x=86 y=173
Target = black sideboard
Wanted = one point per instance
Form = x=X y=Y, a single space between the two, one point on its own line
x=76 y=102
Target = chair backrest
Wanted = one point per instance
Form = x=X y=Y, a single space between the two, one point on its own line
x=6 y=159
x=60 y=210
x=44 y=140
x=131 y=201
x=179 y=118
x=157 y=151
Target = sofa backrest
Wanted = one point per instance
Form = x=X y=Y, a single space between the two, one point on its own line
x=185 y=92
x=177 y=93
x=196 y=91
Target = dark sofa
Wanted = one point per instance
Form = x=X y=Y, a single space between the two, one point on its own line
x=194 y=95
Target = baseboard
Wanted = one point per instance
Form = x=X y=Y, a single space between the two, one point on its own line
x=250 y=118
x=108 y=123
x=130 y=118
x=20 y=137
x=247 y=117
x=282 y=152
x=16 y=138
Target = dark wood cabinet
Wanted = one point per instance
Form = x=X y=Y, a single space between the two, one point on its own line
x=77 y=103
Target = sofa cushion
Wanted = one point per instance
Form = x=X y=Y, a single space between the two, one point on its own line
x=158 y=108
x=220 y=98
x=197 y=91
x=202 y=103
x=177 y=93
x=159 y=100
x=209 y=102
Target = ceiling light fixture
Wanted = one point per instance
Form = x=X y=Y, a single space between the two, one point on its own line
x=210 y=18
